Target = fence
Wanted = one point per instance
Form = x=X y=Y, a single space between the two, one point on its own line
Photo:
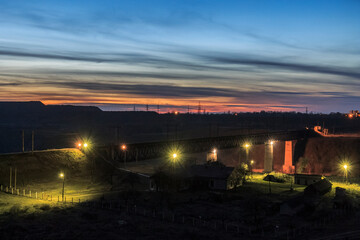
x=37 y=195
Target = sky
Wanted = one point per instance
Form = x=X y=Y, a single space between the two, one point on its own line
x=238 y=56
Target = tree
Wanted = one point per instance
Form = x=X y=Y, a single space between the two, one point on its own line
x=238 y=176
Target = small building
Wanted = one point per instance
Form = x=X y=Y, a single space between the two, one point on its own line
x=306 y=179
x=214 y=177
x=318 y=188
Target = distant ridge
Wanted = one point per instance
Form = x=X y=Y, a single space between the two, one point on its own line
x=38 y=106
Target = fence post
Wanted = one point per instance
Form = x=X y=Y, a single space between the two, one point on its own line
x=29 y=193
x=65 y=199
x=18 y=191
x=42 y=195
x=36 y=195
x=72 y=200
x=51 y=198
x=58 y=198
x=12 y=190
x=24 y=193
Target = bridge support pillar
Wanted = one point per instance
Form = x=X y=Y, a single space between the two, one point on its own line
x=269 y=157
x=288 y=161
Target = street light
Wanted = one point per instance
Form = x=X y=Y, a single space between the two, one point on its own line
x=62 y=175
x=247 y=146
x=85 y=145
x=251 y=167
x=346 y=172
x=215 y=154
x=123 y=147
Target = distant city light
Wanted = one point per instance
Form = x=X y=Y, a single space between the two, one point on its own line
x=123 y=147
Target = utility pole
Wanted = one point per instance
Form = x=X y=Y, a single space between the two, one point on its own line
x=188 y=109
x=158 y=108
x=15 y=179
x=32 y=142
x=23 y=141
x=147 y=107
x=10 y=176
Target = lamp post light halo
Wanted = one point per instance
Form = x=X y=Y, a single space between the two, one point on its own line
x=85 y=145
x=123 y=147
x=61 y=175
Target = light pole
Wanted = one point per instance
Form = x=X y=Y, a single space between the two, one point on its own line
x=174 y=156
x=346 y=172
x=123 y=147
x=247 y=147
x=62 y=175
x=251 y=167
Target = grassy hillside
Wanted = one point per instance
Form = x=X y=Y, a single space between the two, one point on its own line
x=40 y=172
x=43 y=165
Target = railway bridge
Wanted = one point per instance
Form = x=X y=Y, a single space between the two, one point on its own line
x=150 y=150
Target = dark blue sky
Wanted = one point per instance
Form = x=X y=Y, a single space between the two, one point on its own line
x=229 y=55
